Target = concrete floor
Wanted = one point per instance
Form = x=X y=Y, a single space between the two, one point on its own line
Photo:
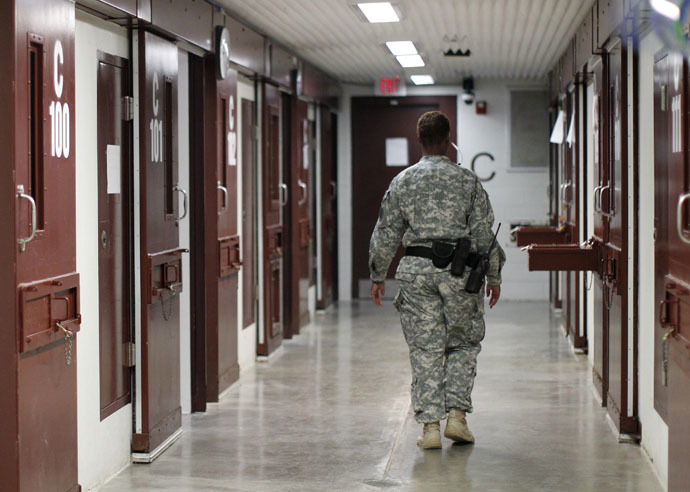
x=332 y=414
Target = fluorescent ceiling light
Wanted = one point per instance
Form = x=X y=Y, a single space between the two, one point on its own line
x=408 y=61
x=379 y=12
x=666 y=8
x=401 y=47
x=422 y=79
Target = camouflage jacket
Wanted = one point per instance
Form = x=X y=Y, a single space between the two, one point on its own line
x=434 y=199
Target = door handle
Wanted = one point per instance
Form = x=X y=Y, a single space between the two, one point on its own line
x=679 y=217
x=302 y=185
x=334 y=190
x=184 y=202
x=284 y=194
x=225 y=197
x=23 y=240
x=611 y=211
x=597 y=202
x=665 y=322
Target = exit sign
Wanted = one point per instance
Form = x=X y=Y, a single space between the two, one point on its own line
x=391 y=86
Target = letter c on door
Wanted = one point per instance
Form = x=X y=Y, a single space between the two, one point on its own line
x=474 y=160
x=57 y=77
x=155 y=94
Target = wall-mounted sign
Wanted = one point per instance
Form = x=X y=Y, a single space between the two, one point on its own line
x=397 y=152
x=391 y=86
x=222 y=51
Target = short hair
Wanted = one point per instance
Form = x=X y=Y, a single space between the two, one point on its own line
x=432 y=128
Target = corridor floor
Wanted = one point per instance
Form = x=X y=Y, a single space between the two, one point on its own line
x=331 y=413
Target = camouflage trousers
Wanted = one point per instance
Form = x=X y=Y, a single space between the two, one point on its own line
x=443 y=326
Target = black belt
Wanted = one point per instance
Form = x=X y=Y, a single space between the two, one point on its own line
x=426 y=252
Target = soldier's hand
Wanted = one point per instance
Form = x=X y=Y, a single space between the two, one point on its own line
x=378 y=290
x=494 y=293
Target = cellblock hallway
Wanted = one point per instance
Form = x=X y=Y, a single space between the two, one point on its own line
x=201 y=198
x=331 y=412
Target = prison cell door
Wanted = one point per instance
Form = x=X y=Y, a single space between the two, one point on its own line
x=600 y=370
x=47 y=285
x=569 y=218
x=672 y=172
x=275 y=196
x=572 y=217
x=249 y=267
x=299 y=218
x=114 y=121
x=555 y=293
x=221 y=342
x=621 y=399
x=326 y=286
x=161 y=257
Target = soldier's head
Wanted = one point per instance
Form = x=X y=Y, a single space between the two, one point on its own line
x=433 y=132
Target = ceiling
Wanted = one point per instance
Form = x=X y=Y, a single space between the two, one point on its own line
x=508 y=38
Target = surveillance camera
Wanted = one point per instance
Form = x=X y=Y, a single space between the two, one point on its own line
x=468 y=97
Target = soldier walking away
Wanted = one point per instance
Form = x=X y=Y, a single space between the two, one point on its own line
x=443 y=217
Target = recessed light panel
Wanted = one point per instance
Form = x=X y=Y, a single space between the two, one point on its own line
x=408 y=61
x=402 y=47
x=422 y=79
x=379 y=12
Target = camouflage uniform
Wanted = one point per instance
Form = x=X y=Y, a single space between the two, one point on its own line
x=442 y=323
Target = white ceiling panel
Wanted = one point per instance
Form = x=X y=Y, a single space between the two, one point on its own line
x=508 y=38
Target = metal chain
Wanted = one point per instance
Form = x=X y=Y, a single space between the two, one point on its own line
x=608 y=295
x=167 y=317
x=69 y=336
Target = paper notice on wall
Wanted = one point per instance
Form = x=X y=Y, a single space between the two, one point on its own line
x=113 y=159
x=397 y=152
x=232 y=149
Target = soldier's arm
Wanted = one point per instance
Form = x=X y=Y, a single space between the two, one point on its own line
x=387 y=235
x=497 y=259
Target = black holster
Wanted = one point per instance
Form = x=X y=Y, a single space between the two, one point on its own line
x=462 y=252
x=441 y=253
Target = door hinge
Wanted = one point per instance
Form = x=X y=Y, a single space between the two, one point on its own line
x=127 y=108
x=130 y=354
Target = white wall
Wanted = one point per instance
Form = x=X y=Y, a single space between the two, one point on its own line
x=246 y=337
x=516 y=195
x=183 y=181
x=654 y=430
x=104 y=447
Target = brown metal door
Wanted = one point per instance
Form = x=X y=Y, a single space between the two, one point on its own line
x=221 y=342
x=374 y=119
x=47 y=287
x=672 y=172
x=298 y=218
x=576 y=330
x=328 y=226
x=249 y=280
x=569 y=215
x=664 y=155
x=554 y=194
x=621 y=402
x=113 y=234
x=600 y=143
x=274 y=193
x=161 y=262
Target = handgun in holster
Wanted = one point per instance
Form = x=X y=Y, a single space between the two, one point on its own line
x=476 y=278
x=462 y=252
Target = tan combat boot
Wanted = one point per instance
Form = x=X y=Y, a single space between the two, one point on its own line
x=431 y=436
x=456 y=428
